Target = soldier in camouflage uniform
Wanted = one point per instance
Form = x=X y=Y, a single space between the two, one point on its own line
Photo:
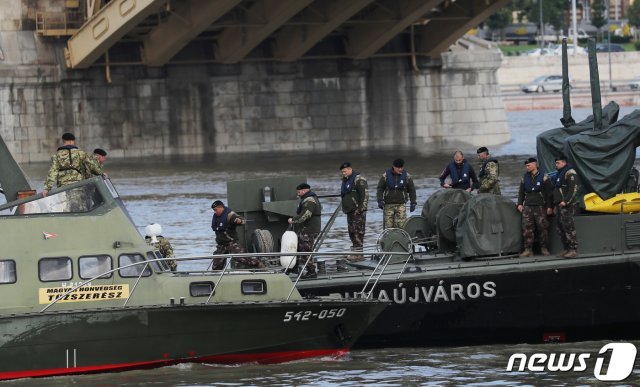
x=224 y=223
x=355 y=200
x=70 y=165
x=395 y=188
x=160 y=243
x=534 y=202
x=489 y=173
x=307 y=226
x=565 y=187
x=100 y=156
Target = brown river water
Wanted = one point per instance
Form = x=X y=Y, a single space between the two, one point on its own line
x=177 y=193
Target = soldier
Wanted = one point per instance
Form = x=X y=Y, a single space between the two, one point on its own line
x=224 y=223
x=565 y=187
x=534 y=202
x=489 y=173
x=395 y=188
x=461 y=174
x=307 y=226
x=355 y=200
x=100 y=155
x=160 y=243
x=70 y=165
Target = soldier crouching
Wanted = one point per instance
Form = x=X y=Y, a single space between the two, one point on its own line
x=224 y=223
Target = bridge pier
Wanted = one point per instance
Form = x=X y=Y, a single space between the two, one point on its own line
x=251 y=107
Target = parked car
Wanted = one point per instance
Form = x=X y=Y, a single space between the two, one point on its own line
x=606 y=47
x=544 y=83
x=571 y=49
x=635 y=83
x=539 y=52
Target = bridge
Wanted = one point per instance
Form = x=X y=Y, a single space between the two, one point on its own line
x=159 y=77
x=159 y=32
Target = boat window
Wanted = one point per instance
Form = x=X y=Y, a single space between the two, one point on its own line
x=200 y=289
x=75 y=200
x=133 y=271
x=7 y=271
x=55 y=269
x=254 y=287
x=91 y=266
x=157 y=265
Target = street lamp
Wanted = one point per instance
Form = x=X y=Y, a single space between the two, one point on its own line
x=541 y=28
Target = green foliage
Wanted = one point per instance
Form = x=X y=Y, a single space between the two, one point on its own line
x=500 y=19
x=633 y=13
x=637 y=45
x=598 y=14
x=620 y=39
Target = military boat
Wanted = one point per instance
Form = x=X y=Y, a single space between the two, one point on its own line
x=454 y=275
x=82 y=292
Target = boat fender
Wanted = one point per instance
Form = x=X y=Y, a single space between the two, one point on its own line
x=289 y=244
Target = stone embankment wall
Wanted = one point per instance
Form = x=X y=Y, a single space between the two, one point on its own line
x=309 y=106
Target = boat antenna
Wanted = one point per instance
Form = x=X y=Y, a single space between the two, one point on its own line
x=566 y=119
x=594 y=78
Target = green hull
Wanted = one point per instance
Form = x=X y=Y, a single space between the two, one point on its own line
x=64 y=343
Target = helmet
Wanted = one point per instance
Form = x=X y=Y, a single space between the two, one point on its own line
x=152 y=231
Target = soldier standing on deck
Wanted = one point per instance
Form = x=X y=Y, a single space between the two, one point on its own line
x=565 y=188
x=160 y=243
x=355 y=200
x=534 y=202
x=307 y=225
x=70 y=165
x=489 y=174
x=395 y=188
x=100 y=156
x=224 y=223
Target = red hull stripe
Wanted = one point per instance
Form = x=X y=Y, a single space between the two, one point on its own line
x=262 y=358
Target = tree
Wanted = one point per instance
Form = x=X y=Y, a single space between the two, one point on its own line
x=598 y=14
x=633 y=13
x=552 y=13
x=499 y=20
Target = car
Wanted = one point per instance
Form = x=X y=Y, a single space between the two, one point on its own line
x=544 y=83
x=606 y=47
x=571 y=49
x=635 y=83
x=538 y=52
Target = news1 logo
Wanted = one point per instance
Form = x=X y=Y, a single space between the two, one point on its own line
x=621 y=359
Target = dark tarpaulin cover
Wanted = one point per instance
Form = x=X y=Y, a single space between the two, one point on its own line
x=603 y=159
x=437 y=201
x=550 y=144
x=488 y=225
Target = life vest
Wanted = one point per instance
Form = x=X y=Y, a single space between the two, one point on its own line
x=533 y=183
x=455 y=176
x=559 y=179
x=221 y=223
x=391 y=184
x=303 y=199
x=348 y=184
x=484 y=164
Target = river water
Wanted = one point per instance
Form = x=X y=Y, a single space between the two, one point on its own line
x=177 y=193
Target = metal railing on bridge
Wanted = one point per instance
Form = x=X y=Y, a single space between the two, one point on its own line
x=64 y=23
